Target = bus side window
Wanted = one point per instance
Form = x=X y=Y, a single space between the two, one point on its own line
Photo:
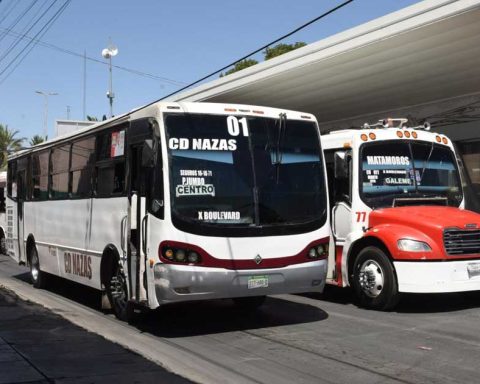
x=2 y=200
x=110 y=165
x=60 y=163
x=343 y=176
x=38 y=189
x=329 y=156
x=81 y=168
x=156 y=198
x=12 y=179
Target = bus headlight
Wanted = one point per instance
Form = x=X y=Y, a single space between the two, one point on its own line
x=180 y=255
x=312 y=253
x=322 y=249
x=168 y=254
x=408 y=245
x=193 y=257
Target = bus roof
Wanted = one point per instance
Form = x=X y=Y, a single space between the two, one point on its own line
x=152 y=109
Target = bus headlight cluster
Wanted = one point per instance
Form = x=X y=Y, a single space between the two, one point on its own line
x=318 y=252
x=180 y=255
x=409 y=245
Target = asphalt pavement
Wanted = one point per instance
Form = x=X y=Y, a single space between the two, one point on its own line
x=38 y=346
x=291 y=339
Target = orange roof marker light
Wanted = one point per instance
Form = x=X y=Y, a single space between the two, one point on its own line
x=415 y=135
x=400 y=134
x=372 y=135
x=230 y=110
x=445 y=140
x=364 y=137
x=438 y=138
x=407 y=134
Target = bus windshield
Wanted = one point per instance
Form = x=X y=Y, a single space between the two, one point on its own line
x=395 y=169
x=244 y=175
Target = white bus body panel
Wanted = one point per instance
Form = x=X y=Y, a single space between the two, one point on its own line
x=436 y=277
x=212 y=283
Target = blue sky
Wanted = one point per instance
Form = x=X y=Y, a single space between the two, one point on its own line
x=177 y=40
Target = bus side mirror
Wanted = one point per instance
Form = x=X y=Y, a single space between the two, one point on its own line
x=341 y=165
x=148 y=154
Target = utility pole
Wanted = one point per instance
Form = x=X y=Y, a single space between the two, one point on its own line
x=108 y=53
x=45 y=121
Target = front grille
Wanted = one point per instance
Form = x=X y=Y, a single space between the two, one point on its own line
x=461 y=242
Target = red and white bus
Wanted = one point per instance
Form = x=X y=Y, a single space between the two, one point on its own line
x=397 y=214
x=176 y=202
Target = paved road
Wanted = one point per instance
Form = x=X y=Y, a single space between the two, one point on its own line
x=300 y=339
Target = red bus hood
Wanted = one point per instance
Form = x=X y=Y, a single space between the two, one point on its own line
x=421 y=223
x=425 y=217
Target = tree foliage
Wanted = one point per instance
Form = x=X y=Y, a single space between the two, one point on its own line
x=239 y=66
x=37 y=139
x=95 y=118
x=280 y=49
x=9 y=143
x=269 y=53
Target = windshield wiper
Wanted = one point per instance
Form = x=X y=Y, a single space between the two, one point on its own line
x=425 y=165
x=282 y=125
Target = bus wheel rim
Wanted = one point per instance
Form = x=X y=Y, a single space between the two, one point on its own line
x=371 y=278
x=117 y=289
x=34 y=268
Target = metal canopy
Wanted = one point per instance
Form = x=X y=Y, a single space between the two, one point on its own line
x=427 y=52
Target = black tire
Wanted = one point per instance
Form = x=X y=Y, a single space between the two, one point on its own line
x=249 y=303
x=117 y=292
x=3 y=245
x=374 y=280
x=38 y=278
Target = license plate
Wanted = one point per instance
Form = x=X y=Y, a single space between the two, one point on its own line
x=257 y=282
x=473 y=269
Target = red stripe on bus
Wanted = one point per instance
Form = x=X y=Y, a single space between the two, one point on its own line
x=208 y=260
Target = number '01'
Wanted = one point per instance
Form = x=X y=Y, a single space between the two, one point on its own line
x=234 y=124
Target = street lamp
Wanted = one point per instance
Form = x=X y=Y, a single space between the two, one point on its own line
x=45 y=123
x=108 y=53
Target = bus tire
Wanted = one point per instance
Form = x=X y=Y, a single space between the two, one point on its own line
x=117 y=292
x=249 y=303
x=38 y=278
x=374 y=280
x=3 y=245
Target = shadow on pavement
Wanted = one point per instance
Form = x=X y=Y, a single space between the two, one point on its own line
x=196 y=318
x=409 y=303
x=79 y=293
x=217 y=316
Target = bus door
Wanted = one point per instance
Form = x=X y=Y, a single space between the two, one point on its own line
x=342 y=196
x=21 y=196
x=140 y=132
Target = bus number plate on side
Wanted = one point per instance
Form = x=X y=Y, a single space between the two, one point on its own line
x=257 y=282
x=473 y=270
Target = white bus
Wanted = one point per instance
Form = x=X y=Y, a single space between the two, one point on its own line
x=397 y=214
x=176 y=202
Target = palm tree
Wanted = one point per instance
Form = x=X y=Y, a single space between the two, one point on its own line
x=37 y=139
x=9 y=143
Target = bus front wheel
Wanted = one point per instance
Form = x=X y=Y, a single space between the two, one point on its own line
x=38 y=278
x=117 y=292
x=374 y=280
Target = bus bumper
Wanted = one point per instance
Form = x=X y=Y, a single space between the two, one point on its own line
x=438 y=277
x=175 y=283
